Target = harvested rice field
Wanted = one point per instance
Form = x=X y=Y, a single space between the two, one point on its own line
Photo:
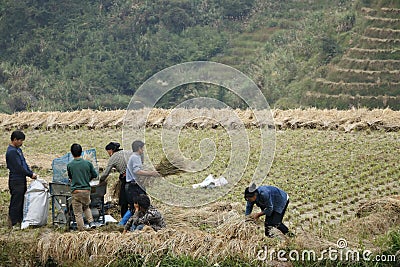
x=343 y=183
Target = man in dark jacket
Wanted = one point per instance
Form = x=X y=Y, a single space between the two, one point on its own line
x=273 y=203
x=18 y=171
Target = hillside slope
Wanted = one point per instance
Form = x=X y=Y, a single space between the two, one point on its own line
x=75 y=55
x=368 y=74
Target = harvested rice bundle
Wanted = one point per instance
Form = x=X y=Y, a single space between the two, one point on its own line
x=173 y=165
x=232 y=238
x=234 y=226
x=387 y=204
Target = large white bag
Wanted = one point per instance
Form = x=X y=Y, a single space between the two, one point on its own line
x=36 y=204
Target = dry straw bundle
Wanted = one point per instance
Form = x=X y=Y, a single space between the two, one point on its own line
x=170 y=165
x=373 y=218
x=209 y=118
x=387 y=204
x=232 y=236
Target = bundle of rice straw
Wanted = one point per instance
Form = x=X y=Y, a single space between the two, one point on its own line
x=173 y=165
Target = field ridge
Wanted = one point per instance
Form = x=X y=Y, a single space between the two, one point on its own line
x=343 y=120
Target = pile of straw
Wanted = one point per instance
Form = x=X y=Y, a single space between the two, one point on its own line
x=232 y=237
x=209 y=118
x=387 y=204
x=373 y=218
x=228 y=234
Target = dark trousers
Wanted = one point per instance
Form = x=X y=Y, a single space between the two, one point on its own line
x=17 y=191
x=122 y=195
x=275 y=220
x=133 y=190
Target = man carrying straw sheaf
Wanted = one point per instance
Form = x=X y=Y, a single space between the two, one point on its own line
x=133 y=170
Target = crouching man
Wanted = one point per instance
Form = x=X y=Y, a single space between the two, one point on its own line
x=273 y=203
x=144 y=214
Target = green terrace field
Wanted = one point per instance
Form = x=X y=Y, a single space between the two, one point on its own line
x=329 y=175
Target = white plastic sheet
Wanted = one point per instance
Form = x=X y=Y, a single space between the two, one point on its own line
x=211 y=182
x=36 y=204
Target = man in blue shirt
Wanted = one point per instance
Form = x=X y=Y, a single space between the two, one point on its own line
x=273 y=203
x=133 y=170
x=18 y=171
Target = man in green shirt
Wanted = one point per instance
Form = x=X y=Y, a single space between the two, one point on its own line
x=80 y=172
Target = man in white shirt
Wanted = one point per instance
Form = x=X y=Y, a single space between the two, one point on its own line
x=134 y=168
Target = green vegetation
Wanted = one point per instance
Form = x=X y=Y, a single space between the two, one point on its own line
x=327 y=174
x=171 y=260
x=357 y=166
x=368 y=72
x=95 y=54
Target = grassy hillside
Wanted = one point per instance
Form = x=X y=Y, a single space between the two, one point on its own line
x=368 y=73
x=74 y=55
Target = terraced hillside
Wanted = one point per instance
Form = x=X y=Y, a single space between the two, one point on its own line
x=368 y=74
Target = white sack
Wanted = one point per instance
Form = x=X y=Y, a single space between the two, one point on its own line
x=36 y=204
